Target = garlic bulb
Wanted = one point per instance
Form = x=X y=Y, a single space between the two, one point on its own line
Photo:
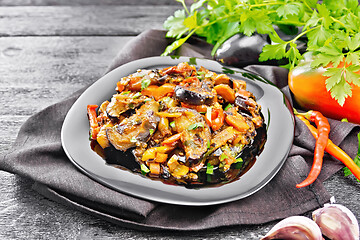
x=295 y=228
x=337 y=222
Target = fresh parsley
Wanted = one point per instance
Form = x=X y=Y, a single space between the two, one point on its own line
x=331 y=29
x=209 y=169
x=144 y=169
x=347 y=171
x=195 y=126
x=145 y=82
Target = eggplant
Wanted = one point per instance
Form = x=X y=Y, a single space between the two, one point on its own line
x=121 y=103
x=194 y=96
x=195 y=134
x=135 y=129
x=241 y=50
x=122 y=158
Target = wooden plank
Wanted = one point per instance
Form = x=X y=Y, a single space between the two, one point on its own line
x=39 y=71
x=86 y=2
x=42 y=70
x=82 y=20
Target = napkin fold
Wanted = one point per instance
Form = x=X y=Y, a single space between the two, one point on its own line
x=38 y=155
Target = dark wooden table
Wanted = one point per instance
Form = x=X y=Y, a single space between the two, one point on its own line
x=49 y=49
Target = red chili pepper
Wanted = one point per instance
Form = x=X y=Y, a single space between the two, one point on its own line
x=94 y=127
x=215 y=119
x=323 y=127
x=334 y=150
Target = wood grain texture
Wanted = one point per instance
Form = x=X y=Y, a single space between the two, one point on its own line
x=82 y=20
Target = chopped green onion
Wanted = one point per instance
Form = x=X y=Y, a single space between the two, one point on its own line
x=151 y=131
x=195 y=126
x=228 y=106
x=172 y=124
x=238 y=163
x=145 y=82
x=200 y=73
x=137 y=95
x=133 y=140
x=209 y=169
x=192 y=61
x=125 y=93
x=223 y=156
x=144 y=169
x=208 y=144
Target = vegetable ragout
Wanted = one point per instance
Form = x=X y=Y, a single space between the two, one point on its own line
x=180 y=125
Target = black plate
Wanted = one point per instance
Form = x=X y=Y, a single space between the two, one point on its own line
x=275 y=108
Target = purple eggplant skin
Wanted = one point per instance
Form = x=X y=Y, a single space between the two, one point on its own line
x=194 y=96
x=241 y=50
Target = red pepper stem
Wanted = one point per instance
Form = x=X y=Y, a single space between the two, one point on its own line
x=307 y=115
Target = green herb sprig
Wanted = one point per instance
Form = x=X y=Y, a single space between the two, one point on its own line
x=346 y=170
x=331 y=29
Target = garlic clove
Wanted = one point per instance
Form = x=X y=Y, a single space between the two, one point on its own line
x=295 y=228
x=337 y=222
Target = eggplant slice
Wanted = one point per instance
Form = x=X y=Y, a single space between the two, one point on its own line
x=193 y=95
x=136 y=129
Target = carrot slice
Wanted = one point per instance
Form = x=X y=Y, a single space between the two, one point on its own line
x=226 y=92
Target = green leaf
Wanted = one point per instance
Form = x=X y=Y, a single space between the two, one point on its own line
x=288 y=9
x=321 y=59
x=311 y=3
x=313 y=21
x=330 y=49
x=347 y=171
x=335 y=75
x=353 y=42
x=276 y=51
x=196 y=5
x=191 y=21
x=247 y=26
x=318 y=36
x=192 y=61
x=175 y=24
x=353 y=57
x=293 y=54
x=352 y=5
x=176 y=44
x=263 y=23
x=352 y=77
x=341 y=91
x=325 y=15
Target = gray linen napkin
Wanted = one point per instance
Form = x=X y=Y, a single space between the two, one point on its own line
x=38 y=155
